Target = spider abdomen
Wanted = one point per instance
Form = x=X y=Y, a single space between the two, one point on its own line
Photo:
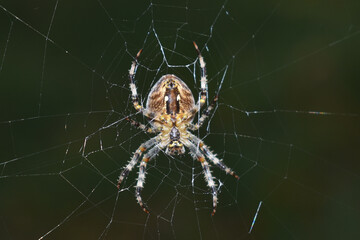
x=170 y=96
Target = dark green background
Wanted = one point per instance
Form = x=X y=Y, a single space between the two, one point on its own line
x=63 y=82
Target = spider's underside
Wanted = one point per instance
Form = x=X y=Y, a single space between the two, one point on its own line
x=171 y=108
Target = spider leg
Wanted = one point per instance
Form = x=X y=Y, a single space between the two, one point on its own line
x=205 y=114
x=210 y=181
x=206 y=170
x=210 y=155
x=141 y=177
x=141 y=126
x=203 y=80
x=149 y=143
x=132 y=72
x=134 y=96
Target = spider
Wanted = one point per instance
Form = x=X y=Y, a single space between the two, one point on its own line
x=171 y=108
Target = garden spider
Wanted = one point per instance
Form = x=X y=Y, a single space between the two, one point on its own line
x=171 y=108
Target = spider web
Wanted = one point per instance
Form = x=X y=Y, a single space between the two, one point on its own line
x=287 y=120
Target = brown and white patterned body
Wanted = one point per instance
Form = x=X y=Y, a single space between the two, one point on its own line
x=172 y=102
x=171 y=108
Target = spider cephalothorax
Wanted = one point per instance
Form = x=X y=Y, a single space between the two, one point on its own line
x=171 y=108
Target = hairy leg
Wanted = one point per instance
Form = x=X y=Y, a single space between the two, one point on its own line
x=205 y=114
x=140 y=126
x=151 y=142
x=141 y=176
x=206 y=170
x=210 y=155
x=203 y=80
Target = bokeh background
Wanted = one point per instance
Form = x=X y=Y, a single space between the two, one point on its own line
x=287 y=122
